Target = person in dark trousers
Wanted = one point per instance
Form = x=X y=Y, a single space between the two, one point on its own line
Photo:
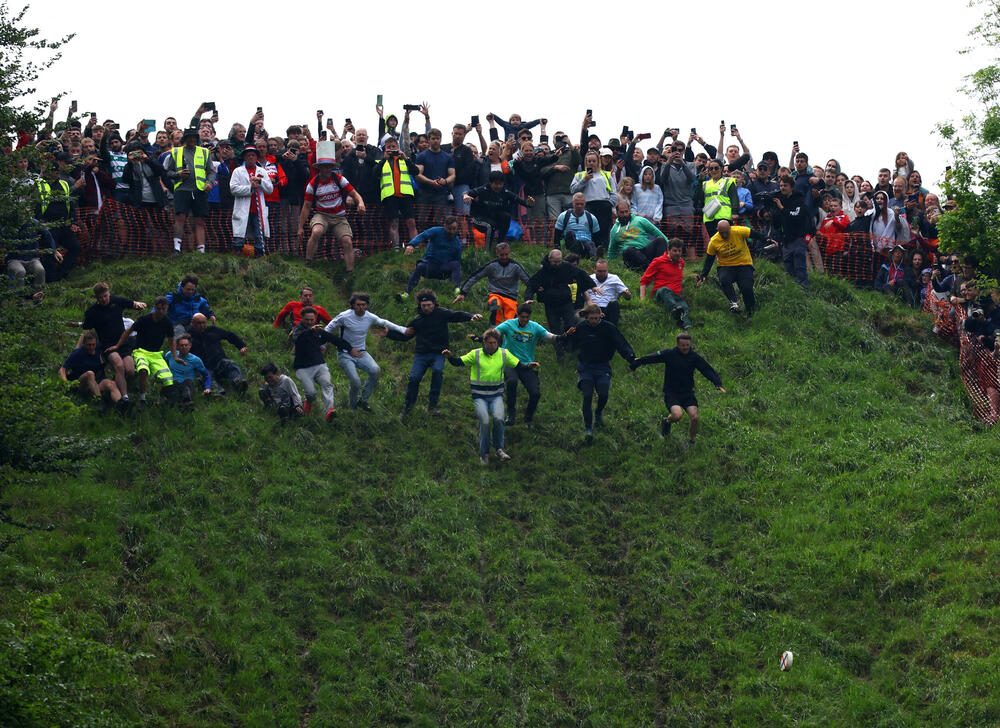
x=793 y=217
x=206 y=344
x=550 y=285
x=729 y=244
x=431 y=329
x=597 y=341
x=491 y=204
x=442 y=258
x=679 y=365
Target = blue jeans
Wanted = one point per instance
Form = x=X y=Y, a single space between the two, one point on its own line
x=421 y=363
x=350 y=365
x=489 y=408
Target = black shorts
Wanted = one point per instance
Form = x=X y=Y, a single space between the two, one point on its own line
x=682 y=399
x=191 y=203
x=397 y=207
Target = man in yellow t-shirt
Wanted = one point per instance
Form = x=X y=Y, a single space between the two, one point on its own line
x=729 y=245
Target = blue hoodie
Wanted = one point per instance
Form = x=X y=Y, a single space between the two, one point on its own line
x=182 y=307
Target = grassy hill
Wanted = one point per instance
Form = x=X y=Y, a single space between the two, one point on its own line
x=218 y=568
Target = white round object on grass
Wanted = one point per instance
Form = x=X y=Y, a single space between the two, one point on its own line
x=786 y=660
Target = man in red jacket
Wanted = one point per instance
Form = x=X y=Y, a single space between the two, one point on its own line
x=666 y=275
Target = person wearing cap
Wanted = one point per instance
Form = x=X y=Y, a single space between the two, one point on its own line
x=600 y=194
x=717 y=196
x=326 y=191
x=249 y=184
x=193 y=175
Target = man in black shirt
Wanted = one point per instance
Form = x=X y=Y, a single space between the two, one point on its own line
x=431 y=329
x=206 y=343
x=104 y=318
x=680 y=364
x=491 y=205
x=597 y=341
x=310 y=364
x=150 y=331
x=550 y=285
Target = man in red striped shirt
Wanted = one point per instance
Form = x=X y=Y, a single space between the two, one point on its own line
x=666 y=274
x=326 y=191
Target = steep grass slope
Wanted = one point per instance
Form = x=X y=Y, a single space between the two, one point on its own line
x=217 y=568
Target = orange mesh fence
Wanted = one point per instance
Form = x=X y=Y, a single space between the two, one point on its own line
x=978 y=366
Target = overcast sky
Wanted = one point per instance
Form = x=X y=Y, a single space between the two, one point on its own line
x=858 y=81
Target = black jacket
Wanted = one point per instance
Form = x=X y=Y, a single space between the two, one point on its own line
x=795 y=220
x=598 y=344
x=466 y=167
x=678 y=369
x=208 y=344
x=307 y=345
x=361 y=173
x=431 y=329
x=135 y=186
x=550 y=284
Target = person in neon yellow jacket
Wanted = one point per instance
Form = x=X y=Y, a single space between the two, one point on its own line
x=486 y=367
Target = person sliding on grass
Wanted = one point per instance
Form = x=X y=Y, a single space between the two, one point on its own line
x=597 y=340
x=280 y=392
x=680 y=363
x=665 y=275
x=487 y=379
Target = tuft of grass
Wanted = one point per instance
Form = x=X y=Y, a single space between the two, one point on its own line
x=225 y=569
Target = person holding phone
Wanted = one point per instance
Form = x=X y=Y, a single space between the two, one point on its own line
x=193 y=174
x=597 y=189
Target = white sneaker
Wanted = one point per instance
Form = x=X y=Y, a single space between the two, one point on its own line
x=484 y=459
x=504 y=457
x=734 y=306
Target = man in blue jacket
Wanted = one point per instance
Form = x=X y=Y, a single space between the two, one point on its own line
x=442 y=259
x=185 y=303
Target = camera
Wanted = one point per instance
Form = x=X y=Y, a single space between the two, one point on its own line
x=411 y=107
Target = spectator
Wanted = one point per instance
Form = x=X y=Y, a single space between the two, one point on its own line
x=558 y=175
x=56 y=209
x=528 y=169
x=466 y=168
x=595 y=184
x=887 y=227
x=791 y=216
x=435 y=175
x=396 y=192
x=677 y=178
x=193 y=175
x=891 y=276
x=249 y=184
x=718 y=197
x=647 y=198
x=141 y=180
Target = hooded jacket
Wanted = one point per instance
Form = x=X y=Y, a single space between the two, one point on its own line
x=647 y=203
x=182 y=307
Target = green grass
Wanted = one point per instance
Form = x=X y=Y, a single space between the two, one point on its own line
x=221 y=569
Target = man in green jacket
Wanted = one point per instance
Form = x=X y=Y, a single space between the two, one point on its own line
x=636 y=239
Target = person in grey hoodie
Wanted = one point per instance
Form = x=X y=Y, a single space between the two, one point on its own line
x=677 y=179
